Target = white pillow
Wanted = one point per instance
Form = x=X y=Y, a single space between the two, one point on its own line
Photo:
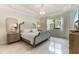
x=25 y=30
x=30 y=30
x=35 y=31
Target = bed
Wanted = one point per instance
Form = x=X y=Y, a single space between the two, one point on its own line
x=34 y=37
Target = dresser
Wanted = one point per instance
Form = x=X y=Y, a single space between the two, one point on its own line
x=74 y=43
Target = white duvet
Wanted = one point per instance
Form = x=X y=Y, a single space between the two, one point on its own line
x=29 y=34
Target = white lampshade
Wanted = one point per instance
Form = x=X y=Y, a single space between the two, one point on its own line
x=38 y=25
x=14 y=25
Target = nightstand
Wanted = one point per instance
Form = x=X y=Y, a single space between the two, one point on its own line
x=13 y=37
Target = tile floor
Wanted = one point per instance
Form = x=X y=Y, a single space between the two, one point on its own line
x=52 y=46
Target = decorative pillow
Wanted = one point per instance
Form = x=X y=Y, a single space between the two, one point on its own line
x=31 y=31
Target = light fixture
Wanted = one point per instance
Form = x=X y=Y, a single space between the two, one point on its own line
x=42 y=12
x=38 y=25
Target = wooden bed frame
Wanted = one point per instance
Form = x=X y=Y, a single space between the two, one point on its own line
x=34 y=42
x=34 y=45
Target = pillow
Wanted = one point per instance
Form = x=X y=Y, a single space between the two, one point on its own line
x=30 y=30
x=34 y=30
x=26 y=30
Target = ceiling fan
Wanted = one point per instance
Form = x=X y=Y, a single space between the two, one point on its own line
x=42 y=12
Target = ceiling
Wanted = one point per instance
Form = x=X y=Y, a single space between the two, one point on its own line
x=33 y=10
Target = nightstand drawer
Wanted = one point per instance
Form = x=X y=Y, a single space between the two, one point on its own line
x=13 y=37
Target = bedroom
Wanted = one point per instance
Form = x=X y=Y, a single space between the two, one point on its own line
x=37 y=16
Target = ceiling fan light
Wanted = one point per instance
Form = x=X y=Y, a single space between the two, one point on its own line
x=42 y=12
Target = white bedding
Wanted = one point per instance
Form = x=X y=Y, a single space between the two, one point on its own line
x=29 y=34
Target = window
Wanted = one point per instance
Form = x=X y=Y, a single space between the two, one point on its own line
x=75 y=20
x=50 y=24
x=55 y=23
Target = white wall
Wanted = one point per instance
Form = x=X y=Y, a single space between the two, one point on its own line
x=5 y=12
x=67 y=25
x=68 y=21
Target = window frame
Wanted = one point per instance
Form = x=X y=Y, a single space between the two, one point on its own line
x=54 y=21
